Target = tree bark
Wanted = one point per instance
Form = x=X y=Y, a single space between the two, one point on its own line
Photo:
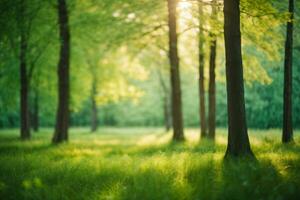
x=238 y=141
x=178 y=134
x=62 y=116
x=24 y=89
x=94 y=114
x=202 y=113
x=212 y=79
x=287 y=131
x=212 y=90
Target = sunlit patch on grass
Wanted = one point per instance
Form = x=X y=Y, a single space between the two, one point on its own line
x=28 y=184
x=192 y=136
x=80 y=152
x=99 y=142
x=2 y=185
x=221 y=140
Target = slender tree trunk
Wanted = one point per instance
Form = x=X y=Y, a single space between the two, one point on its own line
x=212 y=90
x=62 y=117
x=212 y=79
x=201 y=75
x=94 y=115
x=287 y=131
x=166 y=102
x=167 y=113
x=35 y=113
x=238 y=141
x=175 y=74
x=24 y=87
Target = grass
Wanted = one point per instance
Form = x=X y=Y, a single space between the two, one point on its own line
x=142 y=164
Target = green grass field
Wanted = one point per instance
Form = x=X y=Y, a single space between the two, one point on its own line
x=142 y=164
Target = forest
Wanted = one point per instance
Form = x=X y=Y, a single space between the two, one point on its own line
x=149 y=99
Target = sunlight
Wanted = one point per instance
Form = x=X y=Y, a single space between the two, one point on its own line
x=149 y=99
x=184 y=8
x=183 y=5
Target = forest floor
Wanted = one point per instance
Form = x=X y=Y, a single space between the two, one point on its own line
x=141 y=163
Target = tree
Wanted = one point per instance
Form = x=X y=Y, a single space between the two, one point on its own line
x=25 y=33
x=166 y=100
x=287 y=131
x=62 y=115
x=174 y=72
x=238 y=141
x=201 y=74
x=94 y=109
x=212 y=79
x=24 y=106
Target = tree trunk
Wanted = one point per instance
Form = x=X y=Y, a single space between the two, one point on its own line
x=212 y=90
x=175 y=75
x=35 y=113
x=287 y=131
x=238 y=141
x=94 y=115
x=166 y=102
x=24 y=107
x=212 y=79
x=167 y=113
x=62 y=116
x=201 y=75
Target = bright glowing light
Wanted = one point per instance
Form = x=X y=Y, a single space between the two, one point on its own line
x=184 y=13
x=184 y=5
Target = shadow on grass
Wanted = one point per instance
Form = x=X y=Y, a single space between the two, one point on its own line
x=202 y=178
x=252 y=179
x=8 y=139
x=27 y=149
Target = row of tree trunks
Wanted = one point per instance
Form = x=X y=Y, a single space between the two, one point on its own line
x=177 y=122
x=212 y=78
x=201 y=75
x=238 y=141
x=62 y=116
x=287 y=131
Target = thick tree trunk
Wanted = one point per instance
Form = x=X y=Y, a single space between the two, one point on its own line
x=175 y=74
x=212 y=90
x=94 y=113
x=238 y=141
x=62 y=116
x=24 y=89
x=35 y=113
x=201 y=76
x=287 y=131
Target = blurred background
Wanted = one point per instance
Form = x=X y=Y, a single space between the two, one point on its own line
x=119 y=63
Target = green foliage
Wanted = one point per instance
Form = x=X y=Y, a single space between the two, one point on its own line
x=122 y=46
x=143 y=164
